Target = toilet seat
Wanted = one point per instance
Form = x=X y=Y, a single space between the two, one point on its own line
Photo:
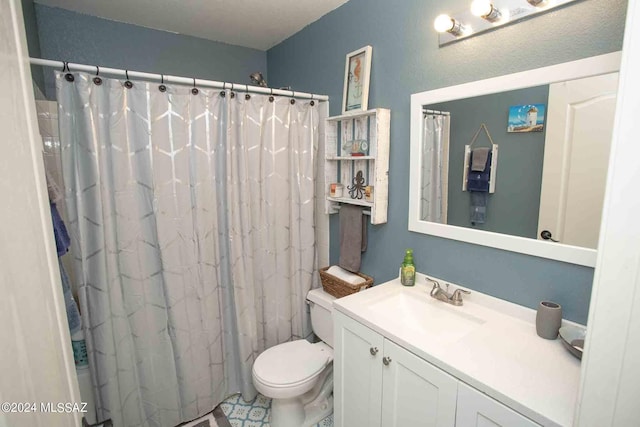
x=291 y=364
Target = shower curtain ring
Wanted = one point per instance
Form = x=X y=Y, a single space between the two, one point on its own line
x=97 y=80
x=162 y=87
x=233 y=95
x=127 y=83
x=246 y=95
x=312 y=103
x=194 y=90
x=68 y=77
x=271 y=98
x=293 y=101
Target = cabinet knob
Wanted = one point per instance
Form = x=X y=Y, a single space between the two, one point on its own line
x=386 y=360
x=373 y=351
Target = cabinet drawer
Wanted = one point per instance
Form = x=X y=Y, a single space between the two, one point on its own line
x=477 y=409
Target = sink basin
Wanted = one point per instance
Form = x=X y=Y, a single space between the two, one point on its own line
x=425 y=315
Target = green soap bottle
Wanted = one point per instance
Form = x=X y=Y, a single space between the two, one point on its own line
x=408 y=269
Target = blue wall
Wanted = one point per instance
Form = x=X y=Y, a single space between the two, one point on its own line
x=407 y=59
x=74 y=37
x=33 y=41
x=513 y=208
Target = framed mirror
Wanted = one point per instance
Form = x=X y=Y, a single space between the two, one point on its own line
x=548 y=134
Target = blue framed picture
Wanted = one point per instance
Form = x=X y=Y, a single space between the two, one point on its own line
x=526 y=118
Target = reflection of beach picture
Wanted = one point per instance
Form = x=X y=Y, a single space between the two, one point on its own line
x=526 y=118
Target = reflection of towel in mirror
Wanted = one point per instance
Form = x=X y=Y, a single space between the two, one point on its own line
x=479 y=180
x=478 y=184
x=478 y=213
x=353 y=237
x=479 y=159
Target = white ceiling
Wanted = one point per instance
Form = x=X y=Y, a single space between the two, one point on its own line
x=259 y=24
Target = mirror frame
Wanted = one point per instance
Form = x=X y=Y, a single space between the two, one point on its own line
x=593 y=66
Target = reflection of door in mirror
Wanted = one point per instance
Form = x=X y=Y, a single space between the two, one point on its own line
x=576 y=155
x=435 y=167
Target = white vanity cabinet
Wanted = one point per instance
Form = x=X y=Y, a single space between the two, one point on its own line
x=479 y=364
x=476 y=409
x=378 y=383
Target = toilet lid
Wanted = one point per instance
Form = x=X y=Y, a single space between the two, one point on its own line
x=291 y=362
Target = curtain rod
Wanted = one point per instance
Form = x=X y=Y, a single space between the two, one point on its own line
x=176 y=79
x=436 y=112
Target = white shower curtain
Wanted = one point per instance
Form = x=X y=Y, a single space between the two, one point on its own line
x=435 y=168
x=192 y=224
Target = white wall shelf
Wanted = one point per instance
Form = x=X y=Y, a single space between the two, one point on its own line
x=371 y=126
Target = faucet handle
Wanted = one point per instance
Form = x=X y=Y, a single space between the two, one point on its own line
x=435 y=282
x=456 y=297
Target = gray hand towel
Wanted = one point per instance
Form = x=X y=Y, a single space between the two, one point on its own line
x=479 y=159
x=353 y=237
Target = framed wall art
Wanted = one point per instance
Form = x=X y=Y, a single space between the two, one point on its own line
x=357 y=69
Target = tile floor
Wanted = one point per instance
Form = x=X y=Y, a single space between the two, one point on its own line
x=256 y=413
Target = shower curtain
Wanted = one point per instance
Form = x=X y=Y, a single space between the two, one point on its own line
x=192 y=223
x=435 y=168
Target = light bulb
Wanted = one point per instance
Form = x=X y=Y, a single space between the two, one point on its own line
x=443 y=23
x=481 y=7
x=485 y=10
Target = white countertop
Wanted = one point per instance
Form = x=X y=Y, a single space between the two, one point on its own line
x=503 y=357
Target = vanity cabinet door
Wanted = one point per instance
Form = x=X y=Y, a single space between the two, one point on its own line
x=477 y=409
x=416 y=393
x=358 y=373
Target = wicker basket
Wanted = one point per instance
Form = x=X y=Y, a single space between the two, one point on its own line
x=339 y=288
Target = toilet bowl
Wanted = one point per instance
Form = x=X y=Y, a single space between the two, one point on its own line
x=298 y=375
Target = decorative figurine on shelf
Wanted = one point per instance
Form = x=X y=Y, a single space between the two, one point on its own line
x=356 y=191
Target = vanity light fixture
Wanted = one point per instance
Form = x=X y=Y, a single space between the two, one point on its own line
x=446 y=24
x=486 y=10
x=538 y=3
x=489 y=15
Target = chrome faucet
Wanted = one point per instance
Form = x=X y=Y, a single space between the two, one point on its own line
x=438 y=293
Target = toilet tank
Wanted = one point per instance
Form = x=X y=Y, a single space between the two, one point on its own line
x=321 y=306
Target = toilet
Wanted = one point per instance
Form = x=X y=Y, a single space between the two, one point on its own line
x=298 y=375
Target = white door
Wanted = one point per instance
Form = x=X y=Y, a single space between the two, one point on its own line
x=576 y=154
x=415 y=393
x=357 y=364
x=36 y=364
x=476 y=409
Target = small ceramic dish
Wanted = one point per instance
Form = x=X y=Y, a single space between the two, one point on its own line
x=573 y=339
